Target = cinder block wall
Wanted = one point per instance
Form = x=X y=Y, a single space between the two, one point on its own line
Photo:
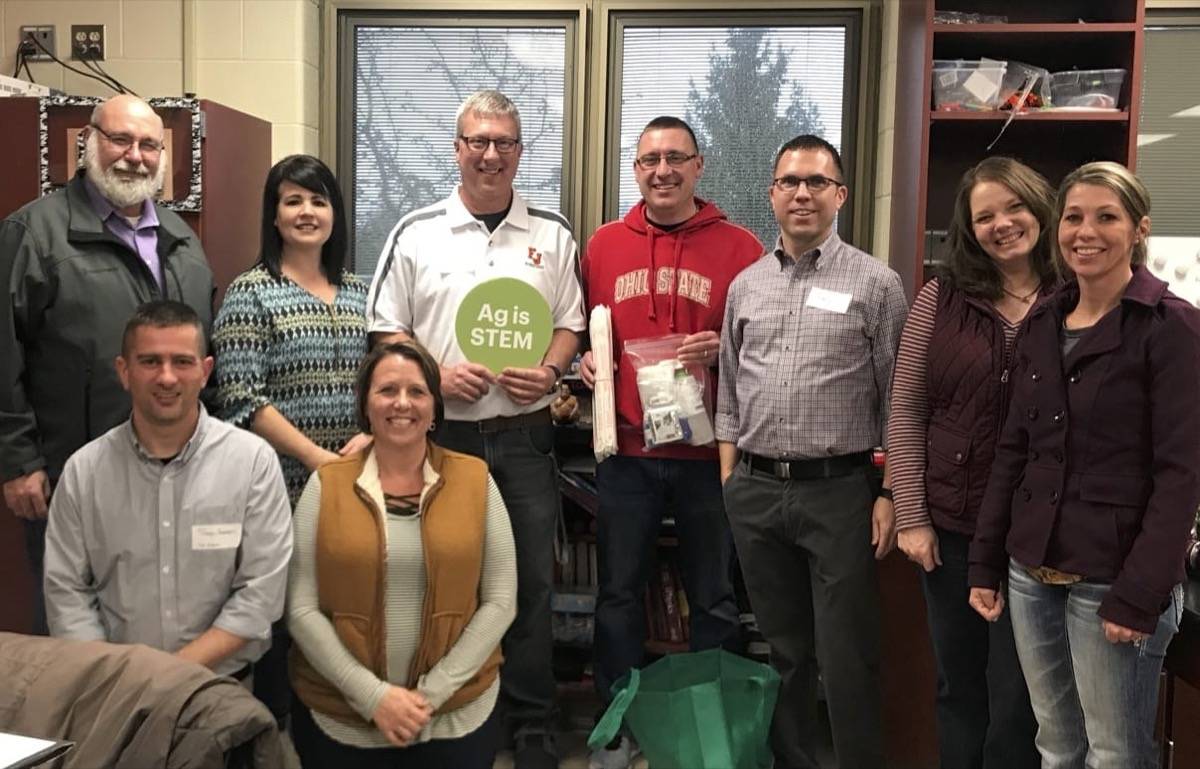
x=258 y=56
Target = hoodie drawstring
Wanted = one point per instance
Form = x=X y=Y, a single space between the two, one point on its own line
x=679 y=235
x=650 y=232
x=636 y=220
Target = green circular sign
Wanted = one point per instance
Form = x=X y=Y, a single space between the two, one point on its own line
x=504 y=322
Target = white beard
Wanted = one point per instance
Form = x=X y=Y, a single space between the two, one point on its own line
x=122 y=192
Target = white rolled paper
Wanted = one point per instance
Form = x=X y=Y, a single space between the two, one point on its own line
x=604 y=410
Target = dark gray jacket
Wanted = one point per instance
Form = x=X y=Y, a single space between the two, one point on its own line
x=69 y=286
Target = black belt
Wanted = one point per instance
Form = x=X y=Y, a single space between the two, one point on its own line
x=808 y=469
x=243 y=673
x=539 y=418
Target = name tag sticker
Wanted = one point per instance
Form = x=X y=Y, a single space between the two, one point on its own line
x=824 y=299
x=216 y=536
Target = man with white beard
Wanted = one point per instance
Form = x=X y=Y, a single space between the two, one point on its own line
x=74 y=266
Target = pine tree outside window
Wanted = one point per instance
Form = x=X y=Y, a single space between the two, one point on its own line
x=744 y=86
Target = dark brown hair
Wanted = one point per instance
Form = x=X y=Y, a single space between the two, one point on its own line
x=163 y=313
x=810 y=143
x=969 y=268
x=664 y=122
x=313 y=175
x=409 y=350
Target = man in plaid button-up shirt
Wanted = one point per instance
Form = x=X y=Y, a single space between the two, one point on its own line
x=807 y=349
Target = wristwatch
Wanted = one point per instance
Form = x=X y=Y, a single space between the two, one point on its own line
x=557 y=377
x=885 y=494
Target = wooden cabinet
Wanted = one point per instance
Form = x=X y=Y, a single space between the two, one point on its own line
x=220 y=158
x=1179 y=695
x=933 y=149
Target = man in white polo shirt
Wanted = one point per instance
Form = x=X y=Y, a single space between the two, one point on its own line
x=432 y=259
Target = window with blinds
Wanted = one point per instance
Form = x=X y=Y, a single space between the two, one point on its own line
x=746 y=80
x=1169 y=128
x=744 y=90
x=408 y=81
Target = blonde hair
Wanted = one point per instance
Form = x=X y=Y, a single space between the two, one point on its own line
x=491 y=103
x=1134 y=197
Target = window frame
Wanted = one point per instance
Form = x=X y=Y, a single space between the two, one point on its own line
x=859 y=145
x=586 y=174
x=620 y=20
x=1164 y=17
x=345 y=16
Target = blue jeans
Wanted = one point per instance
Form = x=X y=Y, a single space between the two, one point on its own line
x=1095 y=701
x=983 y=715
x=521 y=461
x=634 y=493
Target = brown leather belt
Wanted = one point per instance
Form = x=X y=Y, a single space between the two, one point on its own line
x=1048 y=576
x=808 y=469
x=539 y=418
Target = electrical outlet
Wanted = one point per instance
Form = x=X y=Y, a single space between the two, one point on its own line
x=43 y=34
x=87 y=42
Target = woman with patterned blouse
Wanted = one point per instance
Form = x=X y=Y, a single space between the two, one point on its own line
x=289 y=338
x=292 y=330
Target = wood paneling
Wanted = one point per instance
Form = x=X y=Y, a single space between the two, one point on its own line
x=235 y=161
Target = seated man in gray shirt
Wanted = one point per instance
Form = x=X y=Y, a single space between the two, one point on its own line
x=172 y=529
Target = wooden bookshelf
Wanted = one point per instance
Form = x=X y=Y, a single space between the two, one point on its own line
x=976 y=30
x=933 y=148
x=1047 y=116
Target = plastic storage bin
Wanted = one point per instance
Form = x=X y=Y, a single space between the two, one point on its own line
x=960 y=84
x=1087 y=88
x=1016 y=78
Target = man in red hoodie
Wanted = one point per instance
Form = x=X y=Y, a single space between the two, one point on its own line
x=664 y=269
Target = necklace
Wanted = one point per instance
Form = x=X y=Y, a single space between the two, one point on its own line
x=1023 y=298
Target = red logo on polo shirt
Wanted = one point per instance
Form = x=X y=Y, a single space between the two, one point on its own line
x=535 y=258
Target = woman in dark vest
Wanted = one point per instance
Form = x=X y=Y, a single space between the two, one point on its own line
x=949 y=395
x=1095 y=482
x=402 y=584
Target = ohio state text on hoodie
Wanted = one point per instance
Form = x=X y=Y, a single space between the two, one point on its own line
x=662 y=282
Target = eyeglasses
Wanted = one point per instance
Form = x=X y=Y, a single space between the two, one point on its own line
x=504 y=145
x=815 y=183
x=674 y=160
x=124 y=141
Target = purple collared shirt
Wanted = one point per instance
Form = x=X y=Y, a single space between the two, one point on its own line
x=142 y=238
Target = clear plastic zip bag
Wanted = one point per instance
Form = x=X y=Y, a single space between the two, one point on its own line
x=675 y=402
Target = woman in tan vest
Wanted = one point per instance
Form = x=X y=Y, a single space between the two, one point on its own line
x=402 y=584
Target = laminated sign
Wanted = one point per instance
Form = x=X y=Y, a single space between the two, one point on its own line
x=504 y=323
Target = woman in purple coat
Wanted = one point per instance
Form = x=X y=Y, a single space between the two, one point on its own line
x=1095 y=481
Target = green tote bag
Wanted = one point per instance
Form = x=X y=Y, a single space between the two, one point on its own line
x=702 y=710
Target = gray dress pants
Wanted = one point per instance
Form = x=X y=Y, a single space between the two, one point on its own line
x=805 y=553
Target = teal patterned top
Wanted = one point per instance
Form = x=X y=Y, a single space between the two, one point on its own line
x=278 y=344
